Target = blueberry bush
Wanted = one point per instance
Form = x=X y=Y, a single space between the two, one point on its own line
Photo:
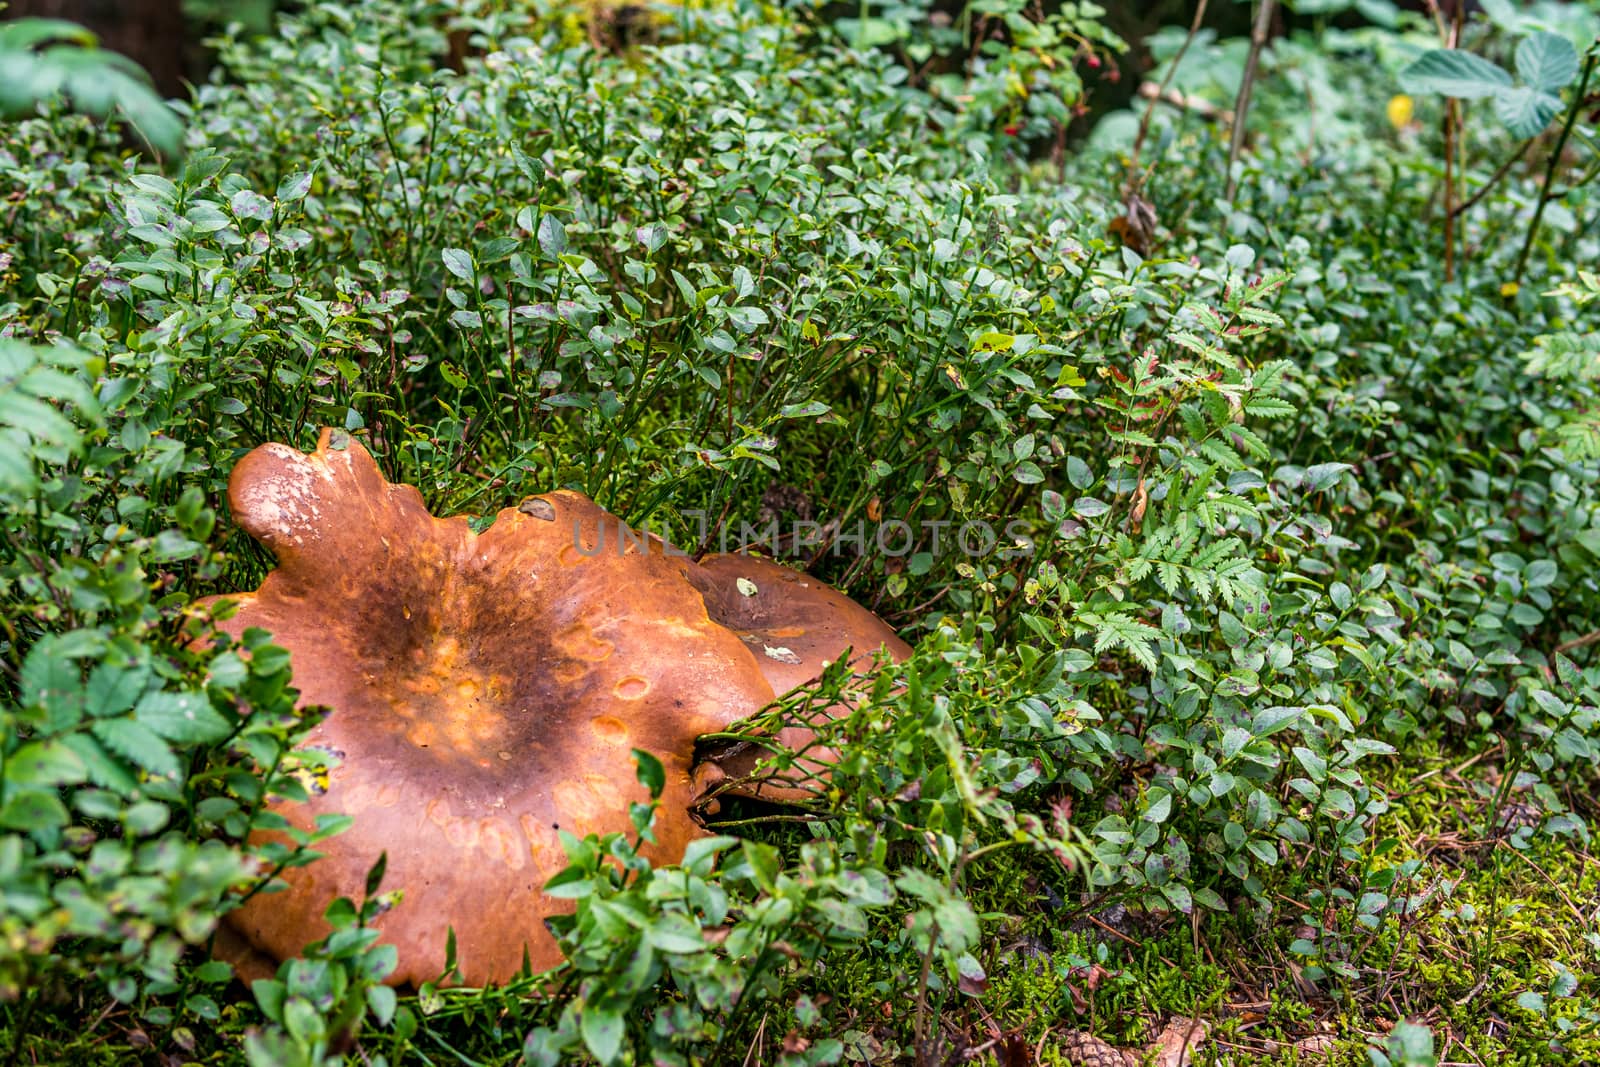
x=1248 y=539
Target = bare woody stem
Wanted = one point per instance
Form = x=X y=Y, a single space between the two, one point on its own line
x=1134 y=181
x=1241 y=106
x=1453 y=118
x=1494 y=179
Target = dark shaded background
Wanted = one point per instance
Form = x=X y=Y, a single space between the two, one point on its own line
x=166 y=37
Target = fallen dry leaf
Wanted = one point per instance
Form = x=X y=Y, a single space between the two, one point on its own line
x=1315 y=1045
x=1178 y=1041
x=1136 y=227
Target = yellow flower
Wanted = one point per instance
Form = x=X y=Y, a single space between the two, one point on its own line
x=1399 y=110
x=1509 y=289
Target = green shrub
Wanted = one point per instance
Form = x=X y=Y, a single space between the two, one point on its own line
x=1191 y=542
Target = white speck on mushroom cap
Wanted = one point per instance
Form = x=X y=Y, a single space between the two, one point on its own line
x=781 y=654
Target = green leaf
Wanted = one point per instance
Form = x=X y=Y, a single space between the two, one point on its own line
x=44 y=763
x=295 y=186
x=602 y=1031
x=806 y=410
x=26 y=33
x=1547 y=61
x=376 y=872
x=157 y=123
x=652 y=236
x=1028 y=473
x=1269 y=407
x=249 y=204
x=186 y=718
x=137 y=743
x=1523 y=111
x=1315 y=765
x=102 y=769
x=381 y=999
x=651 y=774
x=50 y=680
x=1180 y=897
x=37 y=419
x=671 y=932
x=458 y=261
x=552 y=236
x=33 y=811
x=1452 y=72
x=701 y=852
x=1269 y=721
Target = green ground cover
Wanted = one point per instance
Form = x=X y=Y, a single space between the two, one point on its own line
x=1271 y=703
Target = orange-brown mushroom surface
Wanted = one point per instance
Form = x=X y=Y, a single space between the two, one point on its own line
x=796 y=626
x=486 y=690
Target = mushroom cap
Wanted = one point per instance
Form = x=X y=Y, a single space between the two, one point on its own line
x=793 y=623
x=487 y=690
x=796 y=626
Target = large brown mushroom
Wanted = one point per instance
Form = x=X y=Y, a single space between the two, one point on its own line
x=486 y=690
x=796 y=626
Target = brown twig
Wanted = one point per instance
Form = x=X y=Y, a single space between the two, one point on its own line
x=1241 y=106
x=1578 y=642
x=1452 y=137
x=1494 y=179
x=1133 y=182
x=1184 y=102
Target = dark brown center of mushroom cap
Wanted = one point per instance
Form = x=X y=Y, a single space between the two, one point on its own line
x=482 y=653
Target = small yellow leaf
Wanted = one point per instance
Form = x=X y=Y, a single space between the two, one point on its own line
x=1509 y=289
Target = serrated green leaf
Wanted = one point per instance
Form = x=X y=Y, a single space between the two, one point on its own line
x=1524 y=111
x=1269 y=407
x=103 y=770
x=187 y=718
x=137 y=743
x=1547 y=61
x=1454 y=73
